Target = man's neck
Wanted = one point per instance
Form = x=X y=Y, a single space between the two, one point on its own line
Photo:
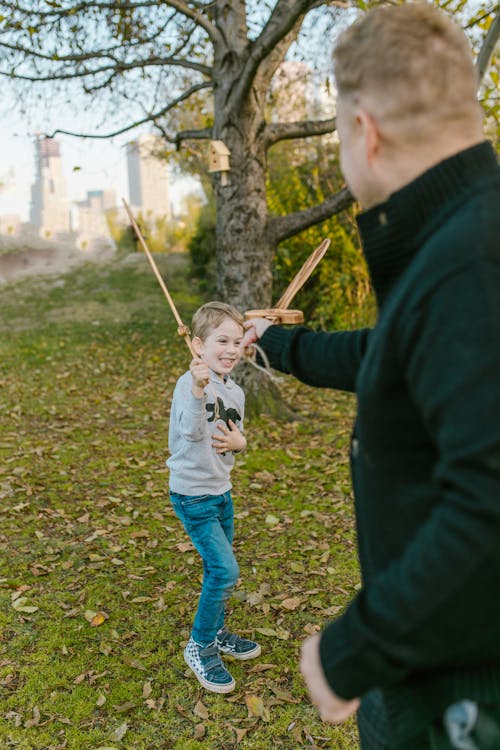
x=408 y=163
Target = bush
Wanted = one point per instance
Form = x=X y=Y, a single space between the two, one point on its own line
x=202 y=249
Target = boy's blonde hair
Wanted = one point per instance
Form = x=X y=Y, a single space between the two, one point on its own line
x=413 y=63
x=210 y=316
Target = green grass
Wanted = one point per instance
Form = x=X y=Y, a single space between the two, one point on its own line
x=87 y=366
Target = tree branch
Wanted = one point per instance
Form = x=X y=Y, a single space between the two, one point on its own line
x=117 y=67
x=282 y=131
x=282 y=20
x=198 y=18
x=487 y=47
x=280 y=228
x=278 y=33
x=150 y=118
x=193 y=135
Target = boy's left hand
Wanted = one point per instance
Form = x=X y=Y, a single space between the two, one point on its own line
x=231 y=438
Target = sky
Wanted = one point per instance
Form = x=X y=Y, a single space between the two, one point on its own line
x=88 y=164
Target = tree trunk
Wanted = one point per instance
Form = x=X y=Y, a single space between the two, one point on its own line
x=245 y=245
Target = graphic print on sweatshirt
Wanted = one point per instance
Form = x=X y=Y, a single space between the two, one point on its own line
x=223 y=413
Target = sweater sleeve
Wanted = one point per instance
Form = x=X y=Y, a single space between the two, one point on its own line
x=191 y=412
x=438 y=604
x=327 y=360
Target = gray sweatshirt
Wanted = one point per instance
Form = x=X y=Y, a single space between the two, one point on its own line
x=195 y=467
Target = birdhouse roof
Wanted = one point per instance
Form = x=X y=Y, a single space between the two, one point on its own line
x=220 y=148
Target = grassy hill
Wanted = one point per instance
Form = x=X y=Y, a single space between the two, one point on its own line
x=98 y=582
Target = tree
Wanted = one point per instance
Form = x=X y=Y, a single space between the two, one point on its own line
x=148 y=58
x=158 y=56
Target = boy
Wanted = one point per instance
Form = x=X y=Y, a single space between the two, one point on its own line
x=206 y=423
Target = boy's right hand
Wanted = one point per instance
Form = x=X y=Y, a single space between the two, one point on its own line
x=201 y=376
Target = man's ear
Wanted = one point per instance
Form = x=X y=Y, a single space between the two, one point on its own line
x=371 y=134
x=197 y=345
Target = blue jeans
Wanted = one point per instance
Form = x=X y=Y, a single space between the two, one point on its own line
x=209 y=522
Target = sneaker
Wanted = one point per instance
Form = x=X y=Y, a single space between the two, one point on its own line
x=232 y=644
x=208 y=667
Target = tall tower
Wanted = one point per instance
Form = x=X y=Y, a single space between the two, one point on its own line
x=148 y=177
x=49 y=203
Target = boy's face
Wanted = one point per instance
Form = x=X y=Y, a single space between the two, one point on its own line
x=221 y=350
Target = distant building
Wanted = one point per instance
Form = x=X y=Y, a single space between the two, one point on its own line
x=91 y=223
x=148 y=178
x=91 y=213
x=49 y=209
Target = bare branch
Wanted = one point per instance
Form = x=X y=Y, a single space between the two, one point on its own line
x=281 y=228
x=275 y=38
x=193 y=135
x=178 y=5
x=116 y=68
x=487 y=47
x=282 y=131
x=198 y=18
x=150 y=118
x=282 y=20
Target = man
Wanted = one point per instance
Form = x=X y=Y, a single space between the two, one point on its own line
x=418 y=649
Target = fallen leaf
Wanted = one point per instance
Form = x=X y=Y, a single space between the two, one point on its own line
x=201 y=711
x=311 y=628
x=20 y=605
x=240 y=734
x=125 y=707
x=35 y=721
x=120 y=731
x=199 y=731
x=267 y=631
x=101 y=700
x=256 y=707
x=134 y=663
x=292 y=603
x=261 y=668
x=98 y=619
x=184 y=546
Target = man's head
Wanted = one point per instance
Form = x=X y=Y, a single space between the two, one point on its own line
x=406 y=84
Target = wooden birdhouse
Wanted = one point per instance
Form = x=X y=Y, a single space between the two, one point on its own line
x=218 y=159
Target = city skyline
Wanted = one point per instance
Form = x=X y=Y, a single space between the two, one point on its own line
x=88 y=165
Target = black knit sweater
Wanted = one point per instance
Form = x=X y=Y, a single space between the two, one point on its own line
x=426 y=445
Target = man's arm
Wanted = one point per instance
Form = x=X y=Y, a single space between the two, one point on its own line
x=326 y=360
x=433 y=607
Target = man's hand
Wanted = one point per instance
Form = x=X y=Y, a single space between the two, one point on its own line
x=201 y=376
x=254 y=329
x=332 y=708
x=231 y=438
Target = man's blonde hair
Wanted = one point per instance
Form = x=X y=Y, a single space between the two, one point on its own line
x=210 y=316
x=412 y=63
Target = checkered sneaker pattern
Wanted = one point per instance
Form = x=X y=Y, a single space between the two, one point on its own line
x=208 y=667
x=232 y=645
